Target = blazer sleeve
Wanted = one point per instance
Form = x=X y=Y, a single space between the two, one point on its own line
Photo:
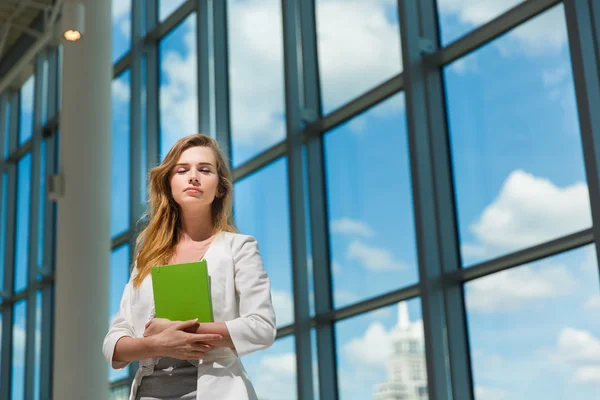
x=255 y=328
x=120 y=326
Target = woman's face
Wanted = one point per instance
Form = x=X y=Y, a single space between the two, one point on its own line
x=194 y=178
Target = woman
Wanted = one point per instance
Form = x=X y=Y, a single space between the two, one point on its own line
x=190 y=219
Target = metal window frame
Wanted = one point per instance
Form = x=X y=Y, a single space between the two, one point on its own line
x=9 y=253
x=46 y=270
x=203 y=65
x=220 y=53
x=317 y=198
x=32 y=267
x=583 y=27
x=295 y=160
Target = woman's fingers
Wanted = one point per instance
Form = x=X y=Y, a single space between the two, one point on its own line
x=187 y=324
x=200 y=346
x=204 y=337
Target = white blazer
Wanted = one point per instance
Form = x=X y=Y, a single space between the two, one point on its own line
x=241 y=297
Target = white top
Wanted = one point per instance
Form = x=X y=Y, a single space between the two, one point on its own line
x=241 y=297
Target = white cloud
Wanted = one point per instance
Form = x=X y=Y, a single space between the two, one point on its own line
x=576 y=345
x=336 y=267
x=507 y=290
x=122 y=8
x=555 y=76
x=593 y=303
x=490 y=393
x=120 y=91
x=256 y=60
x=284 y=307
x=347 y=25
x=465 y=64
x=546 y=32
x=373 y=349
x=358 y=125
x=587 y=374
x=529 y=210
x=580 y=350
x=256 y=65
x=373 y=258
x=178 y=92
x=27 y=93
x=19 y=340
x=351 y=227
x=125 y=27
x=559 y=84
x=275 y=376
x=342 y=297
x=167 y=7
x=280 y=364
x=256 y=72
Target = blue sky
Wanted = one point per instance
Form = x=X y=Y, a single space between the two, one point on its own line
x=518 y=170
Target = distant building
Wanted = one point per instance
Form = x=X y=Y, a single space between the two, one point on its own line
x=407 y=375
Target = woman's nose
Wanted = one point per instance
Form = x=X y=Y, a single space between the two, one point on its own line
x=194 y=179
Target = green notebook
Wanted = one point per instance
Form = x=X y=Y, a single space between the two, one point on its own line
x=182 y=292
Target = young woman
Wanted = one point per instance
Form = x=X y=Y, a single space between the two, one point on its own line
x=190 y=219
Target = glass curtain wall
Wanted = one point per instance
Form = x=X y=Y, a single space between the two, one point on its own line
x=421 y=177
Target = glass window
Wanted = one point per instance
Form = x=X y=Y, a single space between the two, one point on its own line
x=3 y=227
x=273 y=371
x=511 y=112
x=120 y=190
x=178 y=84
x=121 y=28
x=531 y=330
x=119 y=276
x=371 y=364
x=358 y=46
x=168 y=7
x=23 y=210
x=267 y=219
x=37 y=369
x=19 y=332
x=256 y=77
x=26 y=111
x=367 y=171
x=459 y=17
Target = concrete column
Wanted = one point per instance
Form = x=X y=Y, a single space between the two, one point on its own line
x=83 y=241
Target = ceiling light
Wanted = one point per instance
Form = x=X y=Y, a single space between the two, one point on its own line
x=73 y=20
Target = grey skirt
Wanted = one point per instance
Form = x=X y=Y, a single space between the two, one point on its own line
x=172 y=379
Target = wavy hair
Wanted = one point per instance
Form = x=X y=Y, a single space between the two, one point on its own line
x=155 y=244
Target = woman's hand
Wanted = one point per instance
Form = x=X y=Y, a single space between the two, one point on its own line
x=173 y=341
x=157 y=325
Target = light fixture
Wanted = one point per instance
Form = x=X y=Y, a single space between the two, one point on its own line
x=73 y=20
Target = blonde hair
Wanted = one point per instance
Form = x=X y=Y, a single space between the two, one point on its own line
x=156 y=243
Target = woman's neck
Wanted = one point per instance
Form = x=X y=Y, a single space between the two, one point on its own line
x=196 y=225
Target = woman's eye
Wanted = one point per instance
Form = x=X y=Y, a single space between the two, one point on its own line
x=205 y=170
x=181 y=171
